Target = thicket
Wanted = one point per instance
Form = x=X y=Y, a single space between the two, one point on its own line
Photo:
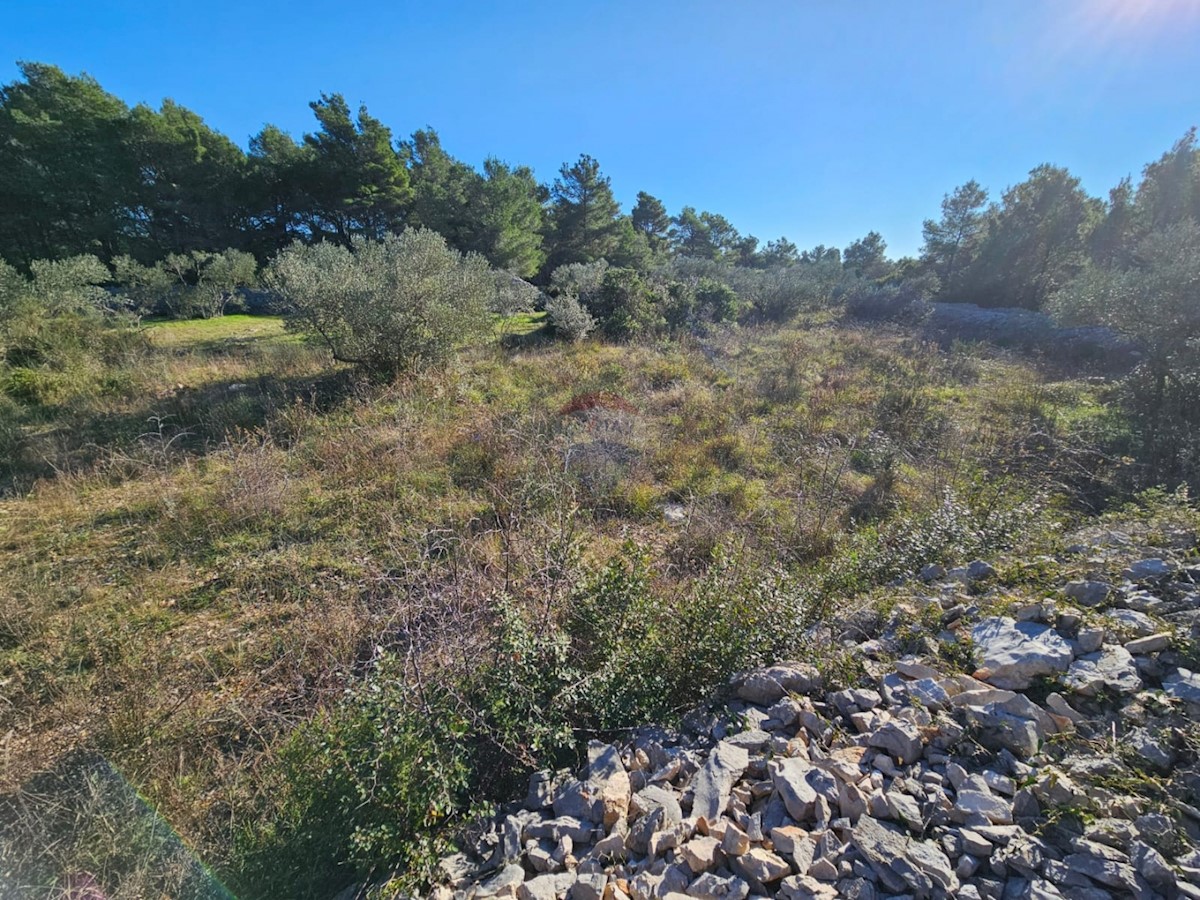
x=60 y=331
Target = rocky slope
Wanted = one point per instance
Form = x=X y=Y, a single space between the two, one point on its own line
x=1063 y=766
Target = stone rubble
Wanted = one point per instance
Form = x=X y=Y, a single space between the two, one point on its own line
x=923 y=783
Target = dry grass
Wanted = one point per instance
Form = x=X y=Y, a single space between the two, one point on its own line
x=180 y=602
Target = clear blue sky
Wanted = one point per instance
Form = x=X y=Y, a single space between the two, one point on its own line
x=819 y=120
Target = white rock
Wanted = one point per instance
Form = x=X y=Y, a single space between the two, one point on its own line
x=1112 y=667
x=700 y=853
x=1011 y=655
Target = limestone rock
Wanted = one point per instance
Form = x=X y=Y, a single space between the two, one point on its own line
x=1149 y=569
x=714 y=782
x=766 y=686
x=1011 y=654
x=1087 y=593
x=900 y=739
x=1112 y=667
x=789 y=778
x=713 y=887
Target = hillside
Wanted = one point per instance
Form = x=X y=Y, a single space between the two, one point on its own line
x=273 y=585
x=750 y=453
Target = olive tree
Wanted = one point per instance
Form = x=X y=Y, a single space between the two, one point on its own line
x=59 y=329
x=390 y=306
x=1155 y=302
x=568 y=317
x=186 y=285
x=584 y=280
x=207 y=281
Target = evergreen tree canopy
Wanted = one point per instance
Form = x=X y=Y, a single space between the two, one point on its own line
x=355 y=181
x=1035 y=243
x=952 y=242
x=68 y=178
x=583 y=214
x=650 y=217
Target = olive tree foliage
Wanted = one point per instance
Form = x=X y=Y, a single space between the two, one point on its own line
x=780 y=294
x=1155 y=302
x=390 y=306
x=59 y=327
x=511 y=295
x=569 y=318
x=584 y=280
x=199 y=284
x=50 y=317
x=208 y=281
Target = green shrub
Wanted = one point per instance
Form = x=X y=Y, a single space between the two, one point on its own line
x=953 y=531
x=583 y=280
x=382 y=782
x=717 y=302
x=904 y=302
x=58 y=328
x=568 y=317
x=780 y=294
x=200 y=284
x=390 y=306
x=627 y=306
x=368 y=788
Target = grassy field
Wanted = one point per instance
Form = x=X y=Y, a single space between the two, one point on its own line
x=203 y=580
x=229 y=330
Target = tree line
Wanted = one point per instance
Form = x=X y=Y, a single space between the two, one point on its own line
x=82 y=172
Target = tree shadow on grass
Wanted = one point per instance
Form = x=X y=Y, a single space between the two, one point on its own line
x=184 y=422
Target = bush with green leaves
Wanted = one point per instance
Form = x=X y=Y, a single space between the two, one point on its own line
x=59 y=328
x=568 y=317
x=1154 y=301
x=395 y=305
x=717 y=302
x=382 y=782
x=375 y=781
x=905 y=301
x=628 y=306
x=200 y=284
x=512 y=295
x=584 y=280
x=780 y=294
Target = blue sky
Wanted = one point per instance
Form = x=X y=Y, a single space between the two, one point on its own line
x=817 y=120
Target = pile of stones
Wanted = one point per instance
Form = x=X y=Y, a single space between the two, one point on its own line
x=1061 y=766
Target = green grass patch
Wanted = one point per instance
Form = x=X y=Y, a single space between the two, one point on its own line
x=192 y=333
x=521 y=324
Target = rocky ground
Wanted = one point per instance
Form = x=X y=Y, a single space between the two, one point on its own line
x=1064 y=765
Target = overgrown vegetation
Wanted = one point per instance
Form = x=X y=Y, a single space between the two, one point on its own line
x=324 y=586
x=319 y=632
